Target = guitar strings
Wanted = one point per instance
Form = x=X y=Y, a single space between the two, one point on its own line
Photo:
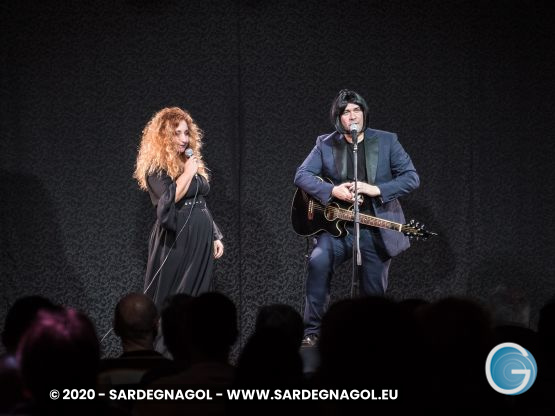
x=395 y=226
x=339 y=210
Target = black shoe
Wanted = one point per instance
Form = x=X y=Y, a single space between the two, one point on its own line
x=309 y=341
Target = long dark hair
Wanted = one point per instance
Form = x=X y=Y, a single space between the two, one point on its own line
x=338 y=106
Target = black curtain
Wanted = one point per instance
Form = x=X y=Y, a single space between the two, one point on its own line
x=467 y=86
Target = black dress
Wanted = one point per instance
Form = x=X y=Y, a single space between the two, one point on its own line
x=180 y=250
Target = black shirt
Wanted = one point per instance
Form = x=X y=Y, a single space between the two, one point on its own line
x=361 y=162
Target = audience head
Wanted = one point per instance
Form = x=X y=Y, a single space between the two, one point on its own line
x=282 y=319
x=176 y=325
x=458 y=326
x=456 y=337
x=271 y=355
x=510 y=306
x=59 y=350
x=213 y=326
x=360 y=339
x=22 y=314
x=136 y=321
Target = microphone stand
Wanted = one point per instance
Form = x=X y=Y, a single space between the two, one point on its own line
x=357 y=260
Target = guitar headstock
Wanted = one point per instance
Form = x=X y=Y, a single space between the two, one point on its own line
x=416 y=231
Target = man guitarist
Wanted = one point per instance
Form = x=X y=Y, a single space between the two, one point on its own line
x=384 y=172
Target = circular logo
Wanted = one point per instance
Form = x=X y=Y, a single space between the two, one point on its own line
x=510 y=369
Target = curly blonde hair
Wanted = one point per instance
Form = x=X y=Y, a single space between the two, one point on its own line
x=157 y=150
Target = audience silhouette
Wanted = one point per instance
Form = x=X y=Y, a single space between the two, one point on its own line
x=136 y=323
x=20 y=316
x=456 y=337
x=278 y=334
x=175 y=324
x=60 y=351
x=426 y=355
x=212 y=331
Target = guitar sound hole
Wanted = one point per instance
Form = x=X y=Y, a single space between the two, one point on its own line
x=329 y=213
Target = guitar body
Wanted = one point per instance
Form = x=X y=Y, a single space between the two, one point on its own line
x=309 y=217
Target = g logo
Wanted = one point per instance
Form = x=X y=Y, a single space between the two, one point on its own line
x=510 y=369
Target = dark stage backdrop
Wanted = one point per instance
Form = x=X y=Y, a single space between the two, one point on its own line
x=468 y=87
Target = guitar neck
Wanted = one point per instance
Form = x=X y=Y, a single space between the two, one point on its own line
x=348 y=215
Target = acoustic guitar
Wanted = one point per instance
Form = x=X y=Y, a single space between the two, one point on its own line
x=309 y=216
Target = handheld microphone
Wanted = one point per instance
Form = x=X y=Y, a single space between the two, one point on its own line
x=188 y=154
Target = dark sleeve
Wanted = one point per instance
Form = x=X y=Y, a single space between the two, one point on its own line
x=217 y=233
x=162 y=193
x=307 y=175
x=404 y=177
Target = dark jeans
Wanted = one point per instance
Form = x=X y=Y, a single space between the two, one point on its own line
x=330 y=252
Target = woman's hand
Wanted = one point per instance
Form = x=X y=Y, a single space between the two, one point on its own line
x=218 y=249
x=184 y=180
x=191 y=166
